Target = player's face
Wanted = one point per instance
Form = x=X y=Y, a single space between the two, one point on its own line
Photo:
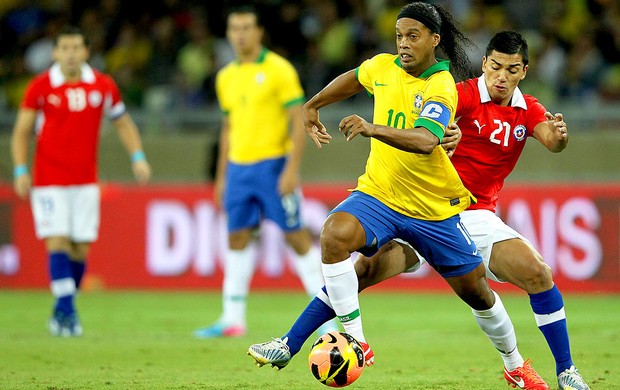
x=243 y=33
x=70 y=52
x=416 y=45
x=502 y=73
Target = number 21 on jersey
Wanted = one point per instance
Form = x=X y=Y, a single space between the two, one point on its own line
x=502 y=130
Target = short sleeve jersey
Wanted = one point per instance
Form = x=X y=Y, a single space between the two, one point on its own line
x=256 y=98
x=417 y=185
x=68 y=124
x=493 y=138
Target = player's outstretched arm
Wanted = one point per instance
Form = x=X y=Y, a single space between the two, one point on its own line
x=342 y=87
x=553 y=133
x=20 y=140
x=130 y=138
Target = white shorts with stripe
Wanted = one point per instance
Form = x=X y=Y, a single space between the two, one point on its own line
x=485 y=228
x=66 y=211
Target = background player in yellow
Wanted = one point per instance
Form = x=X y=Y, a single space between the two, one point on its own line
x=258 y=168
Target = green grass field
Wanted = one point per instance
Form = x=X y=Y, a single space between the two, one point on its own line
x=143 y=340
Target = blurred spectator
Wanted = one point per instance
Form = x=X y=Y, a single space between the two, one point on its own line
x=335 y=40
x=127 y=61
x=196 y=63
x=173 y=47
x=38 y=55
x=607 y=38
x=17 y=80
x=95 y=30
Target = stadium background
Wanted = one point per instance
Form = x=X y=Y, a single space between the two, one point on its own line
x=164 y=55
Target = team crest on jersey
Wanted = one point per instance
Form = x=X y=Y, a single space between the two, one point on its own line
x=260 y=78
x=54 y=100
x=418 y=101
x=519 y=132
x=95 y=98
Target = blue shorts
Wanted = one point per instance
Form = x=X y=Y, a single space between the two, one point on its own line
x=446 y=245
x=251 y=194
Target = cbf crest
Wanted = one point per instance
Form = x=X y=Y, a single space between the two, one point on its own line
x=418 y=102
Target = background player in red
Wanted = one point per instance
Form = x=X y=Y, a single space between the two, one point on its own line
x=495 y=119
x=65 y=104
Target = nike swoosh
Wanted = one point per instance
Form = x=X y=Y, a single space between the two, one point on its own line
x=377 y=84
x=520 y=382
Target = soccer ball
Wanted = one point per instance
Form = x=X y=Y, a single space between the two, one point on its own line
x=336 y=359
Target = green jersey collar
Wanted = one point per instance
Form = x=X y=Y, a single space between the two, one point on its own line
x=437 y=67
x=261 y=56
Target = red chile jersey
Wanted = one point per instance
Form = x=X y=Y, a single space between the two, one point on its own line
x=68 y=123
x=493 y=138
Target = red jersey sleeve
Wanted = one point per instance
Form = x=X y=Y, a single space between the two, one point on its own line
x=534 y=114
x=113 y=100
x=33 y=97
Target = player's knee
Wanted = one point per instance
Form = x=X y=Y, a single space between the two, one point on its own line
x=477 y=297
x=299 y=240
x=240 y=239
x=340 y=237
x=539 y=278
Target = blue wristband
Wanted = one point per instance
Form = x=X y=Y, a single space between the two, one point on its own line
x=138 y=156
x=20 y=170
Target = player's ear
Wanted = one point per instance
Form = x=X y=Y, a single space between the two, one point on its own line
x=484 y=63
x=525 y=68
x=436 y=39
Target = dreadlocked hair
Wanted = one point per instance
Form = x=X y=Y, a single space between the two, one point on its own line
x=453 y=43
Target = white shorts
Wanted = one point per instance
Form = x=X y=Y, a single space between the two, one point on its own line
x=66 y=211
x=485 y=229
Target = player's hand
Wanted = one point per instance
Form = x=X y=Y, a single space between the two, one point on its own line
x=22 y=185
x=141 y=171
x=354 y=125
x=288 y=181
x=314 y=128
x=451 y=138
x=556 y=123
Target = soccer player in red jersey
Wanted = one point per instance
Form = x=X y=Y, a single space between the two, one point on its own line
x=65 y=105
x=495 y=119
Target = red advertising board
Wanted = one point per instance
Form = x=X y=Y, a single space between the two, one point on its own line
x=172 y=237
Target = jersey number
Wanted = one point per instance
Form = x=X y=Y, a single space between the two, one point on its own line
x=501 y=126
x=399 y=119
x=76 y=98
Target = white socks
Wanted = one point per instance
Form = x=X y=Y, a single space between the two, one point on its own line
x=238 y=271
x=496 y=324
x=308 y=268
x=341 y=283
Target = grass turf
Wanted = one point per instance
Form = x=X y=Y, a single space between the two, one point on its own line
x=143 y=340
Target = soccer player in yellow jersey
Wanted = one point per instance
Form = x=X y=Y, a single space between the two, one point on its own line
x=410 y=190
x=258 y=167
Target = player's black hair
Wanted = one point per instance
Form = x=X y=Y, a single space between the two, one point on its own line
x=246 y=9
x=509 y=42
x=453 y=41
x=71 y=30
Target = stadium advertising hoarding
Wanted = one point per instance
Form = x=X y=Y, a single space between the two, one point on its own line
x=172 y=237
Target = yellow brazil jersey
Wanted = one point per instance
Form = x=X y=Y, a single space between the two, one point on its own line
x=418 y=185
x=255 y=97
